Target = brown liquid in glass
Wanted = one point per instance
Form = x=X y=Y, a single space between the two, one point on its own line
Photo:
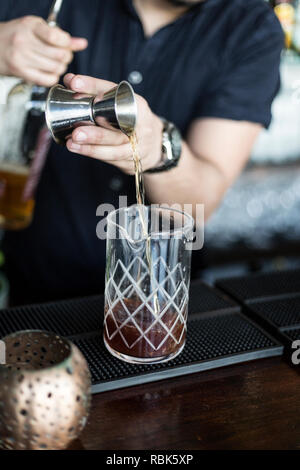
x=156 y=342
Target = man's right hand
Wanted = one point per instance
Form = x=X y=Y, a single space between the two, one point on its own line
x=36 y=52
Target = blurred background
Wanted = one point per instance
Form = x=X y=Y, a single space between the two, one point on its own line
x=257 y=227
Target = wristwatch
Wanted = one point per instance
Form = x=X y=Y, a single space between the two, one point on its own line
x=171 y=148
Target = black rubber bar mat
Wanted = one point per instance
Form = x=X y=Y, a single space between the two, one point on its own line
x=280 y=316
x=218 y=335
x=291 y=335
x=66 y=318
x=262 y=287
x=204 y=298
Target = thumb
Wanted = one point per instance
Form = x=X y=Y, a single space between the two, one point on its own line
x=93 y=86
x=79 y=44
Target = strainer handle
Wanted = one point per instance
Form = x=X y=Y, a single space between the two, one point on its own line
x=54 y=12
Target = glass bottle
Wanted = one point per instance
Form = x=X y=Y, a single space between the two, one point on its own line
x=24 y=145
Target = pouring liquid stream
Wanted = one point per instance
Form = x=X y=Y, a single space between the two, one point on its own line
x=140 y=198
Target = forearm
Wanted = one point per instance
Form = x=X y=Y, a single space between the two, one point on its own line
x=194 y=181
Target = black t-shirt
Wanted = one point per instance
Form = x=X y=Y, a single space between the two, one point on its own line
x=220 y=59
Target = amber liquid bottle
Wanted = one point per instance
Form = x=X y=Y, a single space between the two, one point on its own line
x=24 y=144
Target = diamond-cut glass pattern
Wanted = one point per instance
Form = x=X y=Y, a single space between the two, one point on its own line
x=143 y=322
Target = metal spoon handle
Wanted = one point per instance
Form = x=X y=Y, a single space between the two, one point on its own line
x=54 y=12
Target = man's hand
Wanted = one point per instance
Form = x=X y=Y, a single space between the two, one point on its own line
x=36 y=52
x=112 y=146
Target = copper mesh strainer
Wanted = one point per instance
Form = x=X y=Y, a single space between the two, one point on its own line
x=44 y=392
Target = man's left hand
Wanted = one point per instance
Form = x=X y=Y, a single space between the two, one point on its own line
x=112 y=146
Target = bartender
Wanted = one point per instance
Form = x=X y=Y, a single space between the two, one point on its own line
x=210 y=68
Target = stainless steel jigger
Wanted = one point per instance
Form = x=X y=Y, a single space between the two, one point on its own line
x=66 y=110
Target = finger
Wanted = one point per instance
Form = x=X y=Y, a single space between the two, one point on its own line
x=55 y=53
x=91 y=135
x=79 y=44
x=68 y=78
x=126 y=167
x=45 y=64
x=93 y=86
x=102 y=152
x=52 y=35
x=41 y=78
